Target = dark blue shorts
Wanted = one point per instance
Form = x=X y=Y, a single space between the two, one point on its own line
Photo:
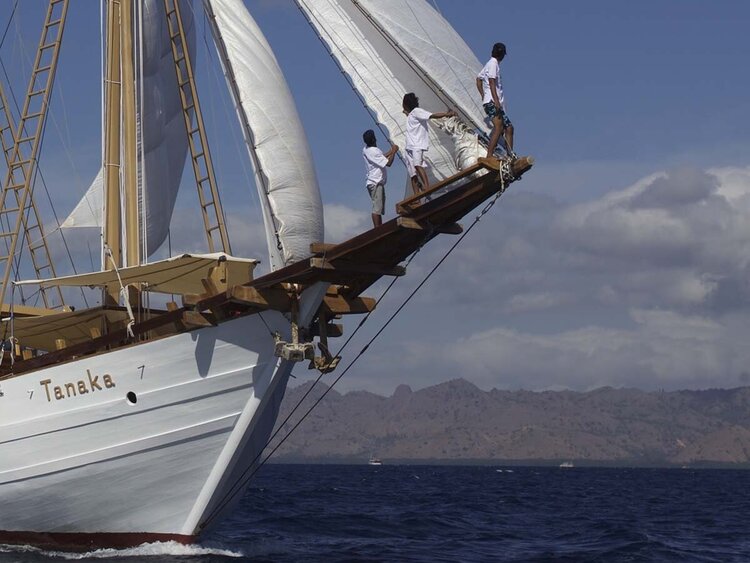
x=492 y=111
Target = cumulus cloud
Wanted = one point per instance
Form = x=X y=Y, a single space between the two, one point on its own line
x=645 y=286
x=342 y=222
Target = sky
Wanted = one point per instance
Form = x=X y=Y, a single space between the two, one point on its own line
x=621 y=259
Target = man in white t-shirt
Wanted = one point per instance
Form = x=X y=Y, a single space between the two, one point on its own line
x=417 y=139
x=375 y=168
x=490 y=86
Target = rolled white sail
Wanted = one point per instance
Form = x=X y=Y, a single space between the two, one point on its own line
x=285 y=176
x=391 y=47
x=162 y=129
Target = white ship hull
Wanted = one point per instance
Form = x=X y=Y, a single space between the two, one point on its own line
x=141 y=443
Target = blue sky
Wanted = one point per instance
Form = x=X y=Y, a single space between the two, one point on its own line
x=621 y=259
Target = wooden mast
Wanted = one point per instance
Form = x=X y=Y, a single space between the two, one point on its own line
x=120 y=150
x=112 y=89
x=130 y=172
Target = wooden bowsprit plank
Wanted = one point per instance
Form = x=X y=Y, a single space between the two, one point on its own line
x=392 y=242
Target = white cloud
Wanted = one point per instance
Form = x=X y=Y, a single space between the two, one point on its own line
x=342 y=222
x=645 y=286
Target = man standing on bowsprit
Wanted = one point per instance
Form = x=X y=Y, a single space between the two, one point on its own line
x=490 y=86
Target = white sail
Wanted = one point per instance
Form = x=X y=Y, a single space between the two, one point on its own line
x=391 y=47
x=285 y=176
x=162 y=130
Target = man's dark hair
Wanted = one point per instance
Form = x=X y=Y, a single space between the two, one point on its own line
x=498 y=50
x=369 y=138
x=410 y=101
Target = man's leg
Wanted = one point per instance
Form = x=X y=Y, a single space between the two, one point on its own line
x=412 y=171
x=508 y=136
x=497 y=129
x=377 y=194
x=422 y=173
x=415 y=186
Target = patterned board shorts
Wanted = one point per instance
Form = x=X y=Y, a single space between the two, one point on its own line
x=377 y=194
x=492 y=111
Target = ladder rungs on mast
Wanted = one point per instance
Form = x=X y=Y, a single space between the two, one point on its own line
x=19 y=164
x=25 y=140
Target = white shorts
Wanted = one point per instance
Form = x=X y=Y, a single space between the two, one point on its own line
x=377 y=194
x=414 y=158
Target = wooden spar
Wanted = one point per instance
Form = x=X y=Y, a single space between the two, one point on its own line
x=112 y=86
x=405 y=206
x=129 y=148
x=393 y=241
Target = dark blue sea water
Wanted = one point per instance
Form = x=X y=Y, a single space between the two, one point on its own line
x=482 y=513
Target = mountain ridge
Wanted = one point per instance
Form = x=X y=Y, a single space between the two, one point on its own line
x=455 y=421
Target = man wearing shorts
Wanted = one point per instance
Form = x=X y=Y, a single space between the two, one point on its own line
x=375 y=168
x=490 y=86
x=417 y=139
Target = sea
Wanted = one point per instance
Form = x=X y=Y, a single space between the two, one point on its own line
x=488 y=513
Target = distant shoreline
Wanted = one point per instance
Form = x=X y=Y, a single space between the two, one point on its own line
x=578 y=464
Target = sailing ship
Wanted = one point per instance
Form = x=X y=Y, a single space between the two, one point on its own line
x=131 y=421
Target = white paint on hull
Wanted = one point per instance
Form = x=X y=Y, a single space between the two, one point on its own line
x=95 y=463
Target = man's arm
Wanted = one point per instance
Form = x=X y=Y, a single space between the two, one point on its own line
x=480 y=87
x=391 y=154
x=449 y=113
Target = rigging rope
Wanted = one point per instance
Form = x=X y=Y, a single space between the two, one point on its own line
x=10 y=21
x=244 y=478
x=38 y=170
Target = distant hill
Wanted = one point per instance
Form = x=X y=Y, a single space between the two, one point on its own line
x=456 y=421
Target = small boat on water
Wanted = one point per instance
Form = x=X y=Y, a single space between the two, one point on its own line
x=567 y=464
x=374 y=461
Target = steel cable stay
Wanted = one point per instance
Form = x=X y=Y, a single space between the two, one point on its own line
x=241 y=480
x=251 y=470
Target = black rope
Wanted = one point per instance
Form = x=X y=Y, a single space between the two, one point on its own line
x=10 y=21
x=244 y=478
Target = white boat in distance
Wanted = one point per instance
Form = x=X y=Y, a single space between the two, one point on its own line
x=129 y=422
x=374 y=461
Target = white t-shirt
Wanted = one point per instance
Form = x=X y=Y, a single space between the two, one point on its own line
x=375 y=165
x=492 y=70
x=416 y=129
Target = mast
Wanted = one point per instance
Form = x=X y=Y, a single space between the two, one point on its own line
x=111 y=234
x=130 y=146
x=121 y=233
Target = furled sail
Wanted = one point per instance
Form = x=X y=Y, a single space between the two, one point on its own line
x=391 y=47
x=281 y=157
x=162 y=129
